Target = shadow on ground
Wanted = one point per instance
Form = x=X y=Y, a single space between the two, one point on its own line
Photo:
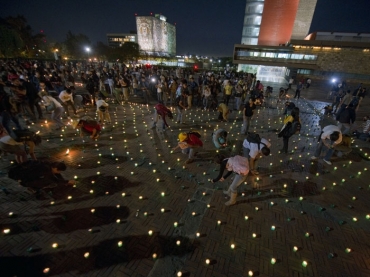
x=105 y=254
x=68 y=221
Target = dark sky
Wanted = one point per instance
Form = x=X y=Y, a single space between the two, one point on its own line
x=204 y=27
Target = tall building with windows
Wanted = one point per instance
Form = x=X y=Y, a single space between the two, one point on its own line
x=271 y=24
x=156 y=36
x=275 y=22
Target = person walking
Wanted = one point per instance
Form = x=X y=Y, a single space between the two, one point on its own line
x=346 y=118
x=161 y=111
x=298 y=90
x=237 y=164
x=286 y=132
x=181 y=102
x=247 y=115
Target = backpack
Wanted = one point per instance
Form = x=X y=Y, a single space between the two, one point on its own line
x=255 y=138
x=295 y=128
x=27 y=171
x=24 y=135
x=196 y=133
x=354 y=101
x=238 y=164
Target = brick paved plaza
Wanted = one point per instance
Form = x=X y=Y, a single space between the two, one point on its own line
x=298 y=218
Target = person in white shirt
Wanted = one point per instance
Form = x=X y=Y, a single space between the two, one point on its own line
x=55 y=107
x=66 y=96
x=254 y=151
x=330 y=137
x=102 y=110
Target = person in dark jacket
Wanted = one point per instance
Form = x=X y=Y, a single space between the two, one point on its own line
x=48 y=176
x=346 y=118
x=247 y=115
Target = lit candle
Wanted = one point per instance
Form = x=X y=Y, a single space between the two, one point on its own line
x=163 y=210
x=178 y=242
x=175 y=224
x=154 y=256
x=208 y=261
x=54 y=245
x=86 y=255
x=150 y=232
x=254 y=235
x=92 y=211
x=273 y=228
x=232 y=246
x=273 y=261
x=304 y=263
x=219 y=222
x=119 y=244
x=295 y=249
x=46 y=270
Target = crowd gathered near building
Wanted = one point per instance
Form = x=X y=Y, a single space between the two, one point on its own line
x=32 y=92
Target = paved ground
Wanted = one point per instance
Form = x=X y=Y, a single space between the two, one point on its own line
x=319 y=209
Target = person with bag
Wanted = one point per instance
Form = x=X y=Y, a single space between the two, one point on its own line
x=292 y=125
x=219 y=138
x=247 y=115
x=237 y=164
x=187 y=143
x=161 y=111
x=53 y=106
x=253 y=149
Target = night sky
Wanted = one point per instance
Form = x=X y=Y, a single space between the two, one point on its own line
x=204 y=27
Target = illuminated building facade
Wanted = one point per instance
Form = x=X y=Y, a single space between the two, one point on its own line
x=320 y=55
x=156 y=36
x=274 y=23
x=117 y=40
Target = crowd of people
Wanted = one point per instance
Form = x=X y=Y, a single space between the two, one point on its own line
x=55 y=89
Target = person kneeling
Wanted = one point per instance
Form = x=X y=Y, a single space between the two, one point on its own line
x=89 y=126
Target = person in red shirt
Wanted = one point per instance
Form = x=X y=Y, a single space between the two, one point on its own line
x=89 y=126
x=188 y=142
x=161 y=111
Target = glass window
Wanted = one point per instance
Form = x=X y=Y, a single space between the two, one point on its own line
x=296 y=56
x=310 y=57
x=283 y=56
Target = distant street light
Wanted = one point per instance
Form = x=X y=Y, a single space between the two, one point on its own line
x=88 y=49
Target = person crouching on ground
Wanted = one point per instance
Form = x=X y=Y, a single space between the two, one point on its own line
x=89 y=126
x=187 y=143
x=161 y=111
x=219 y=138
x=330 y=137
x=10 y=145
x=237 y=164
x=102 y=110
x=254 y=151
